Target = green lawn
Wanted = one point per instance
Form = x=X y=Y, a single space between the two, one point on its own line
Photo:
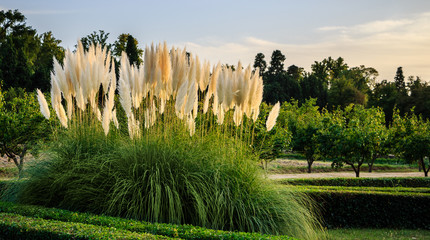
x=380 y=234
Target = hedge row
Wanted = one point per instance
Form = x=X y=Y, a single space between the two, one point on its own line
x=344 y=209
x=169 y=230
x=407 y=191
x=362 y=182
x=13 y=226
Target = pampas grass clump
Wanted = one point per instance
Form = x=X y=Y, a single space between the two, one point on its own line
x=185 y=158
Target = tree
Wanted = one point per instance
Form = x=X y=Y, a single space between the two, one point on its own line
x=13 y=22
x=411 y=137
x=96 y=38
x=314 y=87
x=25 y=57
x=260 y=63
x=128 y=44
x=384 y=95
x=49 y=48
x=269 y=145
x=133 y=52
x=399 y=79
x=276 y=63
x=308 y=122
x=352 y=136
x=21 y=125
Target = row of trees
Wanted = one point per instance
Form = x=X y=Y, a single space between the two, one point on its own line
x=353 y=135
x=333 y=83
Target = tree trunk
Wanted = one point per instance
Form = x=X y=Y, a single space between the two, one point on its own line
x=356 y=170
x=423 y=166
x=310 y=165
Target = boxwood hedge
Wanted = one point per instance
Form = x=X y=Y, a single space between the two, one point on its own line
x=362 y=182
x=13 y=226
x=169 y=230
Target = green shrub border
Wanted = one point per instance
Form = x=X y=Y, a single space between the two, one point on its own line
x=13 y=226
x=169 y=230
x=343 y=209
x=361 y=182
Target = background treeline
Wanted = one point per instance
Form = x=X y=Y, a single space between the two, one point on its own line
x=26 y=62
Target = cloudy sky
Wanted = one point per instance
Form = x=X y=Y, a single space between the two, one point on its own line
x=383 y=34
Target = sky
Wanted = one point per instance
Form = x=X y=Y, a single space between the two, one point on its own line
x=383 y=34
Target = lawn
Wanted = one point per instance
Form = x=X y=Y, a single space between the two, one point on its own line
x=380 y=234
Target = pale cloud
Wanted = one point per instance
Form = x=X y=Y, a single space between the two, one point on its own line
x=47 y=12
x=331 y=28
x=384 y=45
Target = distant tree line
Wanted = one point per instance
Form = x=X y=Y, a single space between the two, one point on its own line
x=334 y=84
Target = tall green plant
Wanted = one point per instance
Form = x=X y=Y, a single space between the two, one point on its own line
x=186 y=158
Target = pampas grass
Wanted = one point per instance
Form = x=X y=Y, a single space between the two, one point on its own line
x=44 y=109
x=180 y=163
x=273 y=115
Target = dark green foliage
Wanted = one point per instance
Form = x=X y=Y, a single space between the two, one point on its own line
x=276 y=63
x=260 y=63
x=362 y=182
x=133 y=52
x=25 y=57
x=168 y=230
x=22 y=126
x=341 y=209
x=96 y=38
x=14 y=226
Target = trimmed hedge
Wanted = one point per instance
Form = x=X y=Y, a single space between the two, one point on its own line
x=169 y=230
x=421 y=191
x=13 y=226
x=361 y=182
x=368 y=210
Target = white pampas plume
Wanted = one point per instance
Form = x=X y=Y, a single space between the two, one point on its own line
x=206 y=103
x=43 y=104
x=192 y=97
x=191 y=125
x=273 y=115
x=125 y=97
x=180 y=97
x=62 y=115
x=106 y=117
x=114 y=119
x=237 y=116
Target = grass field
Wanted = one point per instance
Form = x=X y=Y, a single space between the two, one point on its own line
x=380 y=234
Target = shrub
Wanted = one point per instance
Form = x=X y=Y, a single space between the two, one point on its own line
x=169 y=230
x=13 y=226
x=362 y=182
x=342 y=209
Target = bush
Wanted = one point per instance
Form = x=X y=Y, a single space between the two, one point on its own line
x=341 y=209
x=362 y=182
x=169 y=230
x=14 y=226
x=198 y=181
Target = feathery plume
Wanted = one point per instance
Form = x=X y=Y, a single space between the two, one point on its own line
x=273 y=115
x=43 y=104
